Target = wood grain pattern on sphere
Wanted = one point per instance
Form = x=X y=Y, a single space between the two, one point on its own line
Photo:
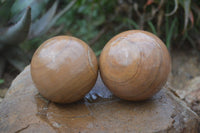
x=135 y=64
x=64 y=69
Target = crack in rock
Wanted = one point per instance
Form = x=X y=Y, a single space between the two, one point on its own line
x=18 y=131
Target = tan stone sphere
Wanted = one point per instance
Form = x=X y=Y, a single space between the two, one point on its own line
x=64 y=69
x=135 y=65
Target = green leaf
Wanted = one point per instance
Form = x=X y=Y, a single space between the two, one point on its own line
x=61 y=13
x=18 y=32
x=174 y=10
x=97 y=53
x=16 y=57
x=170 y=33
x=133 y=23
x=186 y=5
x=1 y=81
x=19 y=7
x=99 y=20
x=40 y=26
x=5 y=11
x=152 y=27
x=48 y=20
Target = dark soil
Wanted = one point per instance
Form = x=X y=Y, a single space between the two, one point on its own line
x=185 y=66
x=8 y=76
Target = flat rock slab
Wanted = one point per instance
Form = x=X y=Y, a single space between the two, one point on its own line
x=191 y=94
x=24 y=110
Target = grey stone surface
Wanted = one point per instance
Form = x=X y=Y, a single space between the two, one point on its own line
x=24 y=110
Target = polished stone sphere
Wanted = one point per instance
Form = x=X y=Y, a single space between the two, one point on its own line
x=64 y=69
x=135 y=65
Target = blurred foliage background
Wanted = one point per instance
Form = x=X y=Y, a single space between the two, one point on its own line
x=25 y=24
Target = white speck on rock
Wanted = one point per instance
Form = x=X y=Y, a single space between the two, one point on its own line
x=55 y=124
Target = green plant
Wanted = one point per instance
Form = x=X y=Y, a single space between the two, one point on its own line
x=11 y=36
x=1 y=81
x=24 y=25
x=97 y=21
